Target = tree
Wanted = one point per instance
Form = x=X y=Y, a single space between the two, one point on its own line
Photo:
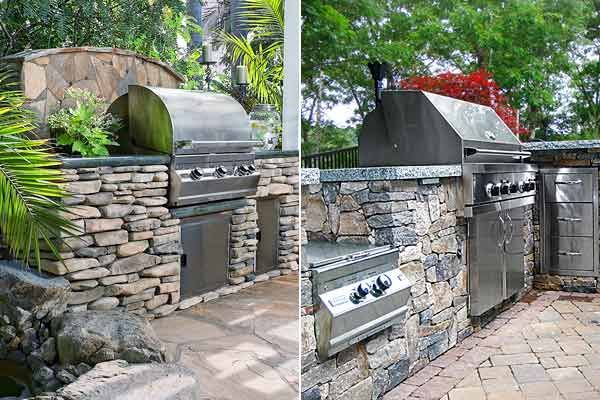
x=526 y=45
x=30 y=187
x=151 y=28
x=477 y=87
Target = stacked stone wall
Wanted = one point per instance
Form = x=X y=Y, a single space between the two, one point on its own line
x=422 y=221
x=125 y=252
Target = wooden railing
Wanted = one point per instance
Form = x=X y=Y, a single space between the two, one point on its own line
x=343 y=158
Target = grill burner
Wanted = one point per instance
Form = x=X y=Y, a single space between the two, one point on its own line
x=207 y=135
x=356 y=294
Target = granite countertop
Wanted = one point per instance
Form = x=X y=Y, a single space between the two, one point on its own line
x=388 y=173
x=310 y=176
x=262 y=154
x=562 y=145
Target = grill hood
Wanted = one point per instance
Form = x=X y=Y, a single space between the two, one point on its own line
x=411 y=127
x=176 y=121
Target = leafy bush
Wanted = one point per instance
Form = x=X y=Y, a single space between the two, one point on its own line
x=86 y=128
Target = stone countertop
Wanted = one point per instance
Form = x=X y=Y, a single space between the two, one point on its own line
x=562 y=145
x=310 y=176
x=389 y=173
x=263 y=154
x=114 y=161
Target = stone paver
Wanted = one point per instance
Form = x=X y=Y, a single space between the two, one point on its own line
x=547 y=349
x=242 y=346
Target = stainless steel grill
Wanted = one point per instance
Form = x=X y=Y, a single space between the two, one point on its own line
x=207 y=135
x=410 y=127
x=356 y=294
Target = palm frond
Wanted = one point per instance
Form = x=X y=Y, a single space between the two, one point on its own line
x=265 y=18
x=30 y=183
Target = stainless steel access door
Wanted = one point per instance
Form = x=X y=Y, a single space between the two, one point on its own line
x=495 y=258
x=514 y=250
x=267 y=255
x=486 y=260
x=205 y=258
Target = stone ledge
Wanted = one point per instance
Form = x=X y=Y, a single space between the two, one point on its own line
x=390 y=173
x=310 y=176
x=562 y=145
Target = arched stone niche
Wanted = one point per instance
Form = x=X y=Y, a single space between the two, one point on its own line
x=46 y=74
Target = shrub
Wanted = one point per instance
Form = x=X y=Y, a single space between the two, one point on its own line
x=85 y=127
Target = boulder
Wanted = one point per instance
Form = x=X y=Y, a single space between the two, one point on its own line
x=118 y=379
x=26 y=289
x=82 y=336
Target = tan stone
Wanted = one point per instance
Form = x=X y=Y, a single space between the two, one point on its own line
x=42 y=60
x=106 y=77
x=34 y=80
x=82 y=65
x=353 y=223
x=315 y=207
x=153 y=74
x=55 y=82
x=140 y=71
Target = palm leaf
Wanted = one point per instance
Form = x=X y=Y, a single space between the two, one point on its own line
x=30 y=183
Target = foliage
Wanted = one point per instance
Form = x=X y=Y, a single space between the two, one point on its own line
x=29 y=185
x=586 y=104
x=86 y=128
x=151 y=28
x=326 y=137
x=261 y=50
x=526 y=45
x=477 y=87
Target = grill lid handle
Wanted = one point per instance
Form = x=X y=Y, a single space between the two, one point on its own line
x=470 y=151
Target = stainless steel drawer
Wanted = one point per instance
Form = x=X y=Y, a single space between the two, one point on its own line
x=562 y=187
x=571 y=219
x=572 y=253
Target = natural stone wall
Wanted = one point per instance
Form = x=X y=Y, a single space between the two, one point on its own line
x=587 y=158
x=28 y=304
x=421 y=220
x=47 y=74
x=125 y=254
x=280 y=177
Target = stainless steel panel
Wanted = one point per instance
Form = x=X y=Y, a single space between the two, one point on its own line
x=486 y=261
x=571 y=219
x=514 y=251
x=568 y=187
x=267 y=254
x=572 y=253
x=205 y=259
x=344 y=315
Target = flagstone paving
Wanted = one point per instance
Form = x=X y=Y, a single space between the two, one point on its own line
x=545 y=348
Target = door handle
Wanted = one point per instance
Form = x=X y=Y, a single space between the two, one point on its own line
x=575 y=182
x=569 y=253
x=183 y=260
x=511 y=229
x=501 y=244
x=569 y=219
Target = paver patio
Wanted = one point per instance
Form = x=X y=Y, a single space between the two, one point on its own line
x=243 y=346
x=546 y=347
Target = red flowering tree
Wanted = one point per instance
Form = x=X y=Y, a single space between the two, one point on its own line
x=477 y=87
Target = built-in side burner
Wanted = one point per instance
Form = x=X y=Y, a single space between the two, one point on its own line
x=357 y=291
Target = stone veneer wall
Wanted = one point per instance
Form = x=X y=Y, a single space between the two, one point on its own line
x=126 y=253
x=422 y=221
x=565 y=158
x=46 y=74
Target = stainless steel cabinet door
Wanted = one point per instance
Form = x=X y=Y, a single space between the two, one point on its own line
x=572 y=253
x=486 y=258
x=515 y=251
x=571 y=219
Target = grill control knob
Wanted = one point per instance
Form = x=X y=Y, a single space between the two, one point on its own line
x=505 y=188
x=488 y=190
x=362 y=290
x=383 y=282
x=251 y=168
x=221 y=171
x=514 y=187
x=241 y=170
x=521 y=186
x=196 y=174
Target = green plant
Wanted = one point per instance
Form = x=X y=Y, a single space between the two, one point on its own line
x=29 y=185
x=261 y=50
x=86 y=128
